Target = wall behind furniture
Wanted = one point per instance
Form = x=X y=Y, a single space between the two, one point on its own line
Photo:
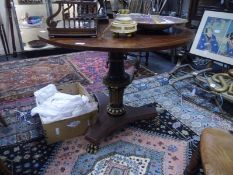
x=3 y=13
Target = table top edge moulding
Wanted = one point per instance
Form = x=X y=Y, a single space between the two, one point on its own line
x=141 y=41
x=113 y=114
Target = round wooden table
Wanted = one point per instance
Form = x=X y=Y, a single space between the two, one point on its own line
x=113 y=114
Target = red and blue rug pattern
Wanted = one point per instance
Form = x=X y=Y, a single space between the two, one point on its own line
x=162 y=145
x=131 y=151
x=19 y=79
x=162 y=135
x=19 y=129
x=29 y=75
x=164 y=131
x=94 y=69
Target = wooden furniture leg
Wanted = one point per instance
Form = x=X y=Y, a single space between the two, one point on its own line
x=3 y=121
x=216 y=147
x=194 y=163
x=3 y=41
x=147 y=58
x=106 y=123
x=215 y=153
x=3 y=169
x=113 y=114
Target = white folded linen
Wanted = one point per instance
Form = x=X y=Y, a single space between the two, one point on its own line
x=54 y=106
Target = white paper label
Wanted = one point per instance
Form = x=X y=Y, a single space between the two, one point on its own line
x=74 y=124
x=57 y=131
x=212 y=85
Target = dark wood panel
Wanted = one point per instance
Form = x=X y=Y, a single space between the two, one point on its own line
x=197 y=7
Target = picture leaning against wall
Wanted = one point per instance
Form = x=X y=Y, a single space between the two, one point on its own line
x=214 y=38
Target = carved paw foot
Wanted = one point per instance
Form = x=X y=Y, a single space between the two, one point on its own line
x=92 y=149
x=115 y=35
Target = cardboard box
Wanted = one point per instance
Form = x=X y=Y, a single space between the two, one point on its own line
x=71 y=127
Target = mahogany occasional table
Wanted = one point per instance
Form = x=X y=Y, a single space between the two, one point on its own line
x=113 y=114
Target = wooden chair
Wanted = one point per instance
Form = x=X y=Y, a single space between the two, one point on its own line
x=135 y=6
x=146 y=7
x=215 y=153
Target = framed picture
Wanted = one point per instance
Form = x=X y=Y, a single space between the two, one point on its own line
x=214 y=38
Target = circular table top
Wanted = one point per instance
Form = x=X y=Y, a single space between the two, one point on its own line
x=141 y=41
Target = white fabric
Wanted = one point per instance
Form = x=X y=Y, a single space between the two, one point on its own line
x=59 y=106
x=44 y=93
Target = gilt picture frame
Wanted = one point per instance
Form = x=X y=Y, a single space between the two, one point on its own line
x=214 y=37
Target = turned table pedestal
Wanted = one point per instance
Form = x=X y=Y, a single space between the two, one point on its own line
x=113 y=114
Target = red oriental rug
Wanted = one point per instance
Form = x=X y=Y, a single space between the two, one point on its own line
x=26 y=76
x=129 y=152
x=19 y=79
x=94 y=68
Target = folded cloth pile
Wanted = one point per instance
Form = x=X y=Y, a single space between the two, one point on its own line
x=53 y=105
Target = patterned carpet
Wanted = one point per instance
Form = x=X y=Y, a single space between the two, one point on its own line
x=132 y=151
x=155 y=140
x=95 y=69
x=159 y=146
x=18 y=81
x=25 y=76
x=19 y=130
x=27 y=157
x=164 y=136
x=162 y=145
x=157 y=90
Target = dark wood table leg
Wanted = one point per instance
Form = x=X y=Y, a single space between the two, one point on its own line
x=3 y=40
x=113 y=114
x=194 y=163
x=3 y=121
x=3 y=169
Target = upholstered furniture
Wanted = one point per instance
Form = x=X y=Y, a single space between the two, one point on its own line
x=215 y=153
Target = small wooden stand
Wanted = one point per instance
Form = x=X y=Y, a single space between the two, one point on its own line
x=78 y=18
